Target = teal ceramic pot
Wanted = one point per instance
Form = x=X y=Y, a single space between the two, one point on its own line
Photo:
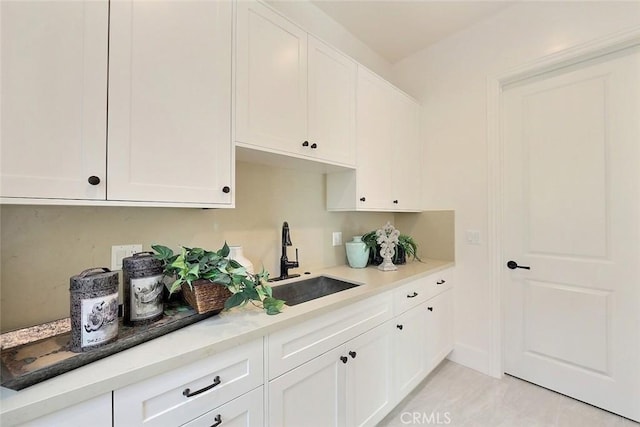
x=357 y=252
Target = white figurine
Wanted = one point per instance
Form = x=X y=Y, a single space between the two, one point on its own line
x=387 y=238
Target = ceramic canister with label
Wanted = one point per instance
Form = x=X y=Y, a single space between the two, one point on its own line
x=94 y=309
x=143 y=289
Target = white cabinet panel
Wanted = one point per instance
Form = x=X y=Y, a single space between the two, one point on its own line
x=439 y=328
x=271 y=78
x=179 y=396
x=54 y=106
x=245 y=411
x=94 y=412
x=332 y=95
x=369 y=381
x=170 y=102
x=410 y=363
x=310 y=395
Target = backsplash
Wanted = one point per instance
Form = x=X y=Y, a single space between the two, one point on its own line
x=43 y=246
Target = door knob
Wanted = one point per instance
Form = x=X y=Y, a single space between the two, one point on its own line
x=513 y=265
x=94 y=180
x=314 y=145
x=352 y=354
x=344 y=359
x=399 y=327
x=305 y=144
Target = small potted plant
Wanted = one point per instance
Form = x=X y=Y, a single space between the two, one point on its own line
x=406 y=247
x=210 y=281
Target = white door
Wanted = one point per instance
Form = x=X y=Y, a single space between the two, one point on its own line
x=571 y=209
x=271 y=79
x=369 y=383
x=311 y=395
x=54 y=99
x=170 y=102
x=410 y=361
x=332 y=105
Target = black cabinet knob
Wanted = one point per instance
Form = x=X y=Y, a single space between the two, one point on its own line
x=399 y=327
x=430 y=308
x=226 y=189
x=395 y=202
x=353 y=354
x=94 y=180
x=362 y=199
x=305 y=144
x=344 y=359
x=314 y=145
x=441 y=282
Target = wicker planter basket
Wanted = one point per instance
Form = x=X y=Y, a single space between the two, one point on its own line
x=205 y=296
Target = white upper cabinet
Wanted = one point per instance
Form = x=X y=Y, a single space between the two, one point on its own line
x=166 y=137
x=332 y=105
x=170 y=102
x=388 y=152
x=54 y=99
x=294 y=94
x=271 y=79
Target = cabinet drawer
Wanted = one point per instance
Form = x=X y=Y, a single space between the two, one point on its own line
x=183 y=394
x=294 y=346
x=245 y=411
x=420 y=290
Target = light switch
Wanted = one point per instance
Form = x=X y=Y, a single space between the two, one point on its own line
x=473 y=237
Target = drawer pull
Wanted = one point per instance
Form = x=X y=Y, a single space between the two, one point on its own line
x=352 y=354
x=187 y=392
x=344 y=359
x=430 y=308
x=399 y=327
x=441 y=282
x=413 y=295
x=218 y=421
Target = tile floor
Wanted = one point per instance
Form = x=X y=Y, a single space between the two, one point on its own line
x=454 y=395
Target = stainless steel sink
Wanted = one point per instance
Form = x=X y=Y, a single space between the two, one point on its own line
x=309 y=289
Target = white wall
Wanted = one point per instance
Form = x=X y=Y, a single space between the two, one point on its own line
x=450 y=79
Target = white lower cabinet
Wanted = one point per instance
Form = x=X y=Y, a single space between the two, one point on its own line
x=186 y=393
x=439 y=328
x=410 y=362
x=347 y=386
x=94 y=412
x=245 y=411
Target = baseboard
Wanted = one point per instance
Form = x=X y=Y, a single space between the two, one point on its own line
x=471 y=357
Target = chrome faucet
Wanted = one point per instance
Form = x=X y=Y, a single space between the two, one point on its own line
x=285 y=264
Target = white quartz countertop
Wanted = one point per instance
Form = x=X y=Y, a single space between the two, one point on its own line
x=192 y=343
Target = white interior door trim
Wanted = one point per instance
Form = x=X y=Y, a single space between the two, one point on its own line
x=495 y=84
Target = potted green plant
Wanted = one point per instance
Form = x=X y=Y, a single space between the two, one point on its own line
x=210 y=281
x=407 y=247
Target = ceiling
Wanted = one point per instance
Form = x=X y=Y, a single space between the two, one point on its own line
x=397 y=29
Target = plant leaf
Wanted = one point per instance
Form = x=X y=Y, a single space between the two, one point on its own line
x=234 y=301
x=272 y=305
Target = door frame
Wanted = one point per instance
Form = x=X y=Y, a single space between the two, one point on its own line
x=495 y=147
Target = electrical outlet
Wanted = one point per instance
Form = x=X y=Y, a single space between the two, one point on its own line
x=337 y=238
x=120 y=252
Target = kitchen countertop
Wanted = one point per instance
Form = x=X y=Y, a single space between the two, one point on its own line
x=202 y=339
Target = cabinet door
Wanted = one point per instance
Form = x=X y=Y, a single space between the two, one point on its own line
x=54 y=89
x=332 y=109
x=311 y=395
x=375 y=143
x=369 y=382
x=406 y=171
x=439 y=328
x=271 y=79
x=410 y=363
x=245 y=411
x=94 y=412
x=170 y=102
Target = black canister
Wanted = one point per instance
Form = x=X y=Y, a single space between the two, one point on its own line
x=142 y=286
x=94 y=309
